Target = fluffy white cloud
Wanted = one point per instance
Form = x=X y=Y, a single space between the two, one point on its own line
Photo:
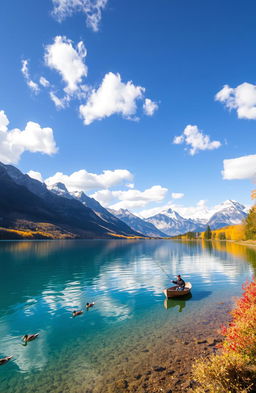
x=84 y=181
x=240 y=168
x=44 y=82
x=25 y=71
x=15 y=142
x=177 y=195
x=113 y=96
x=149 y=107
x=131 y=198
x=196 y=139
x=3 y=122
x=91 y=8
x=68 y=61
x=35 y=175
x=241 y=98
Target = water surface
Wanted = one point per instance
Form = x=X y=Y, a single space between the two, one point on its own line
x=42 y=282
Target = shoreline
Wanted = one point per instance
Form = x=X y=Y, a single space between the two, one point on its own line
x=171 y=365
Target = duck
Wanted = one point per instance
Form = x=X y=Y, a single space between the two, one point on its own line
x=5 y=360
x=29 y=337
x=76 y=313
x=88 y=305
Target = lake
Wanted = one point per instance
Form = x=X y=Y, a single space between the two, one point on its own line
x=42 y=282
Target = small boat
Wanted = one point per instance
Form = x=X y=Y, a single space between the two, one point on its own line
x=174 y=292
x=29 y=337
x=177 y=302
x=5 y=360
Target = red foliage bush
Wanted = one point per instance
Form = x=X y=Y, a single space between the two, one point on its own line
x=240 y=335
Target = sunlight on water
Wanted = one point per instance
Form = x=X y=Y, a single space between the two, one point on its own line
x=43 y=282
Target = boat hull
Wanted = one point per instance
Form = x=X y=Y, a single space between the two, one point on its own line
x=173 y=291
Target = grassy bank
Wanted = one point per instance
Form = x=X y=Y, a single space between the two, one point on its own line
x=233 y=370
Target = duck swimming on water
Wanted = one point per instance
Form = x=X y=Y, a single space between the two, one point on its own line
x=5 y=360
x=88 y=305
x=29 y=337
x=76 y=313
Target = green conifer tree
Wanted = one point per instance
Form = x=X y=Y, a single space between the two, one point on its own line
x=250 y=224
x=208 y=233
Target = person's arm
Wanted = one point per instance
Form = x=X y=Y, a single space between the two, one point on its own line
x=174 y=282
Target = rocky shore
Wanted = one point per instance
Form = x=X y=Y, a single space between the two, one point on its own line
x=171 y=365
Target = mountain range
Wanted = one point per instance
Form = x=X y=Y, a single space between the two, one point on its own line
x=28 y=204
x=137 y=223
x=171 y=223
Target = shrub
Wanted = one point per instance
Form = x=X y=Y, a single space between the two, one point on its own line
x=225 y=373
x=234 y=369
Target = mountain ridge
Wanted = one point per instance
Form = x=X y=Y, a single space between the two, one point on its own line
x=137 y=223
x=25 y=202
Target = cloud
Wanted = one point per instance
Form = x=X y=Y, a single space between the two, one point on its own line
x=60 y=103
x=196 y=139
x=25 y=71
x=84 y=181
x=35 y=175
x=92 y=9
x=177 y=195
x=44 y=82
x=149 y=107
x=240 y=168
x=13 y=143
x=130 y=199
x=68 y=61
x=241 y=98
x=4 y=121
x=113 y=96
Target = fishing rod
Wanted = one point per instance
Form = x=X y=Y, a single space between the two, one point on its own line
x=163 y=270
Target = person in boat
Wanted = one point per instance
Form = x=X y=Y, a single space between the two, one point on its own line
x=180 y=282
x=89 y=305
x=76 y=313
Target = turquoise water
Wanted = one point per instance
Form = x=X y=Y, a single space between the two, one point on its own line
x=41 y=283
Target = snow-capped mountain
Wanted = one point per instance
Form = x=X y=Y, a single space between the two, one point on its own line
x=172 y=223
x=166 y=223
x=137 y=224
x=91 y=203
x=227 y=213
x=60 y=189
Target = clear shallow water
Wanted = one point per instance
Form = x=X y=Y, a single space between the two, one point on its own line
x=41 y=283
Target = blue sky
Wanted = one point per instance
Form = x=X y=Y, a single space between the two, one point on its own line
x=176 y=54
